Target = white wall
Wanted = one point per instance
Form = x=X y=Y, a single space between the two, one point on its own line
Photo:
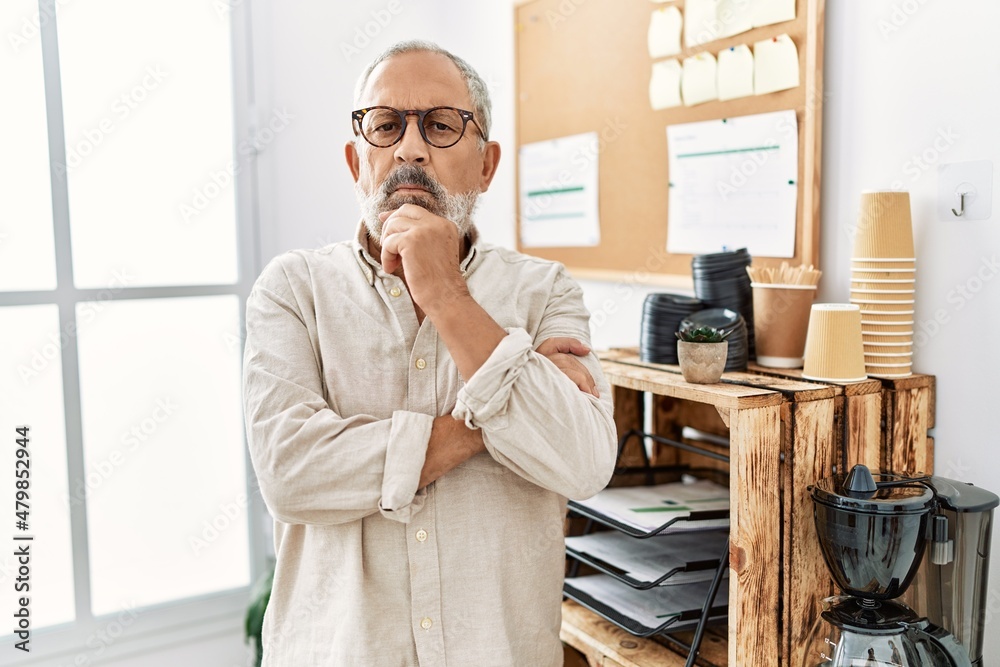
x=895 y=81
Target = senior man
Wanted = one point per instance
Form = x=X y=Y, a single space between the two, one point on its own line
x=420 y=404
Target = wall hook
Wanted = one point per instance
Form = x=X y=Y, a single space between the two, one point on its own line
x=961 y=204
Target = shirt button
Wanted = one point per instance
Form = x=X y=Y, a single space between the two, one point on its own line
x=426 y=623
x=395 y=291
x=421 y=535
x=421 y=364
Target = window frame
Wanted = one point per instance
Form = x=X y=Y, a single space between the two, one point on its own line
x=189 y=620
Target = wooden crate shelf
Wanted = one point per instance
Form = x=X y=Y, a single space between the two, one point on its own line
x=784 y=434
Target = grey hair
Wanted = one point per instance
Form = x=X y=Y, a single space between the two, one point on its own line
x=478 y=92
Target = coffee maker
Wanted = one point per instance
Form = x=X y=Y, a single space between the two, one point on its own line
x=878 y=534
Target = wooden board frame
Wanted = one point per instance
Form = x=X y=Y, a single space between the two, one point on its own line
x=582 y=66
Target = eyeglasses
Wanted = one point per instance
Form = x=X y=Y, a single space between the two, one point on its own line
x=441 y=127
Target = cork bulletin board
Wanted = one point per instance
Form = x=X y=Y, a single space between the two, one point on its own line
x=583 y=66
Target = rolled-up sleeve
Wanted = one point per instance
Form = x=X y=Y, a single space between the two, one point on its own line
x=534 y=419
x=313 y=465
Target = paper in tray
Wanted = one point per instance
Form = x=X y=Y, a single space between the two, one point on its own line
x=689 y=557
x=648 y=507
x=677 y=606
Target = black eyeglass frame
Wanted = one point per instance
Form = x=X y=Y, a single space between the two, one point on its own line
x=359 y=114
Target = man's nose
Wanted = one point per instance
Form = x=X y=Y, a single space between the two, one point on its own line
x=412 y=147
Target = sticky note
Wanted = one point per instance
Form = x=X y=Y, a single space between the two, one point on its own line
x=735 y=72
x=665 y=84
x=664 y=36
x=776 y=65
x=734 y=16
x=700 y=22
x=766 y=12
x=698 y=79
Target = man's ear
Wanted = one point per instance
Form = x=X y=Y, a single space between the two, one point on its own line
x=353 y=159
x=491 y=158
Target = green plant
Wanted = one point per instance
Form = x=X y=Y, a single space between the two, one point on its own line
x=260 y=594
x=703 y=335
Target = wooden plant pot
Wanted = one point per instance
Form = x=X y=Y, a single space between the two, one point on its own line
x=702 y=363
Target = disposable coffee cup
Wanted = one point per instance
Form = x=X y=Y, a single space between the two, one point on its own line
x=887 y=262
x=885 y=305
x=882 y=349
x=892 y=376
x=880 y=289
x=885 y=228
x=870 y=338
x=834 y=351
x=781 y=319
x=883 y=327
x=887 y=283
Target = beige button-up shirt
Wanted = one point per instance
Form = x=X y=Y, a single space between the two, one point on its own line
x=341 y=385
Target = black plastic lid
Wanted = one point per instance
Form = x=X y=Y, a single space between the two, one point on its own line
x=856 y=493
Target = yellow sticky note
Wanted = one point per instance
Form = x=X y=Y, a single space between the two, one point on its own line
x=776 y=65
x=734 y=16
x=701 y=23
x=735 y=76
x=665 y=84
x=664 y=38
x=766 y=12
x=698 y=80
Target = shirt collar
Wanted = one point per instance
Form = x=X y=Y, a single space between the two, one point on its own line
x=371 y=267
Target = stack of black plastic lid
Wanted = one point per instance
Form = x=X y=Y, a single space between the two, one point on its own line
x=661 y=318
x=721 y=281
x=728 y=321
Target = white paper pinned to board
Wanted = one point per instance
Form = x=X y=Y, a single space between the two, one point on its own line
x=734 y=184
x=664 y=36
x=665 y=85
x=558 y=192
x=776 y=65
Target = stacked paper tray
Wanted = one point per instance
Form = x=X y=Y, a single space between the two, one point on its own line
x=647 y=511
x=646 y=612
x=670 y=560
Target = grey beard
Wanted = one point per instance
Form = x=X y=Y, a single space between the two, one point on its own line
x=457 y=208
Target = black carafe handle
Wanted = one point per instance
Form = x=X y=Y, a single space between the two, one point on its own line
x=923 y=631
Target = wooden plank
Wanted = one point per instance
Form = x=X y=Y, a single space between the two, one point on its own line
x=600 y=640
x=755 y=536
x=628 y=414
x=793 y=388
x=668 y=384
x=863 y=430
x=811 y=456
x=870 y=386
x=905 y=442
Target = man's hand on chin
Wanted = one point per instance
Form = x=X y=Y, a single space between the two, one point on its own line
x=428 y=248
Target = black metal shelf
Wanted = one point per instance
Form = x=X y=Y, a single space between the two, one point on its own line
x=698 y=620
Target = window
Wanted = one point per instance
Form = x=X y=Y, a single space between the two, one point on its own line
x=124 y=269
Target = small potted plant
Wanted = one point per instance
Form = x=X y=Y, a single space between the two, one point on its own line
x=702 y=353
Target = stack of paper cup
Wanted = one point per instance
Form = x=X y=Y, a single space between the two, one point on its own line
x=834 y=351
x=882 y=282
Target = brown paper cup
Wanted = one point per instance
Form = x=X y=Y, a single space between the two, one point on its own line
x=877 y=349
x=780 y=320
x=883 y=277
x=905 y=287
x=884 y=263
x=882 y=328
x=889 y=376
x=834 y=351
x=884 y=226
x=892 y=360
x=870 y=338
x=892 y=305
x=883 y=283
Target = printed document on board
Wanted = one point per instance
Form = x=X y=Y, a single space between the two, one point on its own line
x=558 y=192
x=733 y=184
